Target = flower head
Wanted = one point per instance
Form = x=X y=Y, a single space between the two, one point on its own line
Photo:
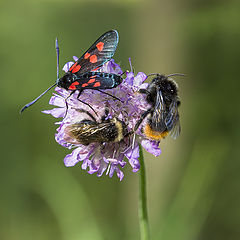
x=108 y=156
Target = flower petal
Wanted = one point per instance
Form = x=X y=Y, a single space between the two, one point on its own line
x=139 y=79
x=72 y=159
x=55 y=112
x=57 y=101
x=67 y=66
x=120 y=174
x=75 y=58
x=102 y=169
x=133 y=155
x=129 y=79
x=152 y=147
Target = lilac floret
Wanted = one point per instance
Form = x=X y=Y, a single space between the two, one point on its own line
x=110 y=157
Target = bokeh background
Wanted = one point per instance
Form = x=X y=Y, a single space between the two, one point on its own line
x=193 y=186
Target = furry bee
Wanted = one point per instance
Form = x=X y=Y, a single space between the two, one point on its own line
x=162 y=94
x=90 y=131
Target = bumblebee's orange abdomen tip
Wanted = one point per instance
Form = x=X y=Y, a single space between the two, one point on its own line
x=154 y=135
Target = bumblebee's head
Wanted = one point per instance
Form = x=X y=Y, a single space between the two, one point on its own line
x=168 y=87
x=66 y=80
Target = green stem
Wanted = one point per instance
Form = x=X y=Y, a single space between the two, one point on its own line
x=142 y=207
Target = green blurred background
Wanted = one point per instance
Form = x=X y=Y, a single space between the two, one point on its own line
x=193 y=186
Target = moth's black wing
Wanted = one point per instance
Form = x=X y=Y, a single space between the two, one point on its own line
x=99 y=53
x=98 y=80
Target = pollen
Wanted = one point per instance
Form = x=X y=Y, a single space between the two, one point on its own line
x=154 y=135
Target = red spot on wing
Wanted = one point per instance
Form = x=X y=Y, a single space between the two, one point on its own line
x=93 y=59
x=100 y=46
x=95 y=69
x=73 y=66
x=87 y=55
x=92 y=80
x=97 y=84
x=85 y=85
x=73 y=86
x=76 y=69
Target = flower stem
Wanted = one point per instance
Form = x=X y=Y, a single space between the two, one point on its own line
x=142 y=201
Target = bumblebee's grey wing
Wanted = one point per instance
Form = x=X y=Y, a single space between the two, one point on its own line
x=172 y=120
x=158 y=116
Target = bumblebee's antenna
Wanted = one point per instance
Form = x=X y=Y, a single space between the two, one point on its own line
x=36 y=99
x=170 y=75
x=152 y=74
x=176 y=74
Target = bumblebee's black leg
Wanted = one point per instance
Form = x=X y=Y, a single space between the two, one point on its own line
x=109 y=95
x=80 y=92
x=141 y=119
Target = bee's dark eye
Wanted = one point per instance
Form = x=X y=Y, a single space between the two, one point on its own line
x=170 y=88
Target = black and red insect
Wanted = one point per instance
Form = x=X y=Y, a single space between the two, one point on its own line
x=83 y=74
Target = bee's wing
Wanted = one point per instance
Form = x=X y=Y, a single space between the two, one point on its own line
x=172 y=120
x=158 y=116
x=91 y=130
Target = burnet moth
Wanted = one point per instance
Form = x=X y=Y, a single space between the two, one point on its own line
x=83 y=73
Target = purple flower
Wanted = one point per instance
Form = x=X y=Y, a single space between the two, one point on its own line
x=109 y=157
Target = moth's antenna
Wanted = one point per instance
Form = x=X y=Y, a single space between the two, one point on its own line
x=36 y=99
x=31 y=103
x=57 y=52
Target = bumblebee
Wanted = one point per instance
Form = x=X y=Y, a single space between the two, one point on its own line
x=162 y=94
x=90 y=131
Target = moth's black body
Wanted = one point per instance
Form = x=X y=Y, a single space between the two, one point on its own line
x=108 y=80
x=162 y=94
x=90 y=131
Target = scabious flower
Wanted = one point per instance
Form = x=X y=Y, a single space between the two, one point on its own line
x=112 y=156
